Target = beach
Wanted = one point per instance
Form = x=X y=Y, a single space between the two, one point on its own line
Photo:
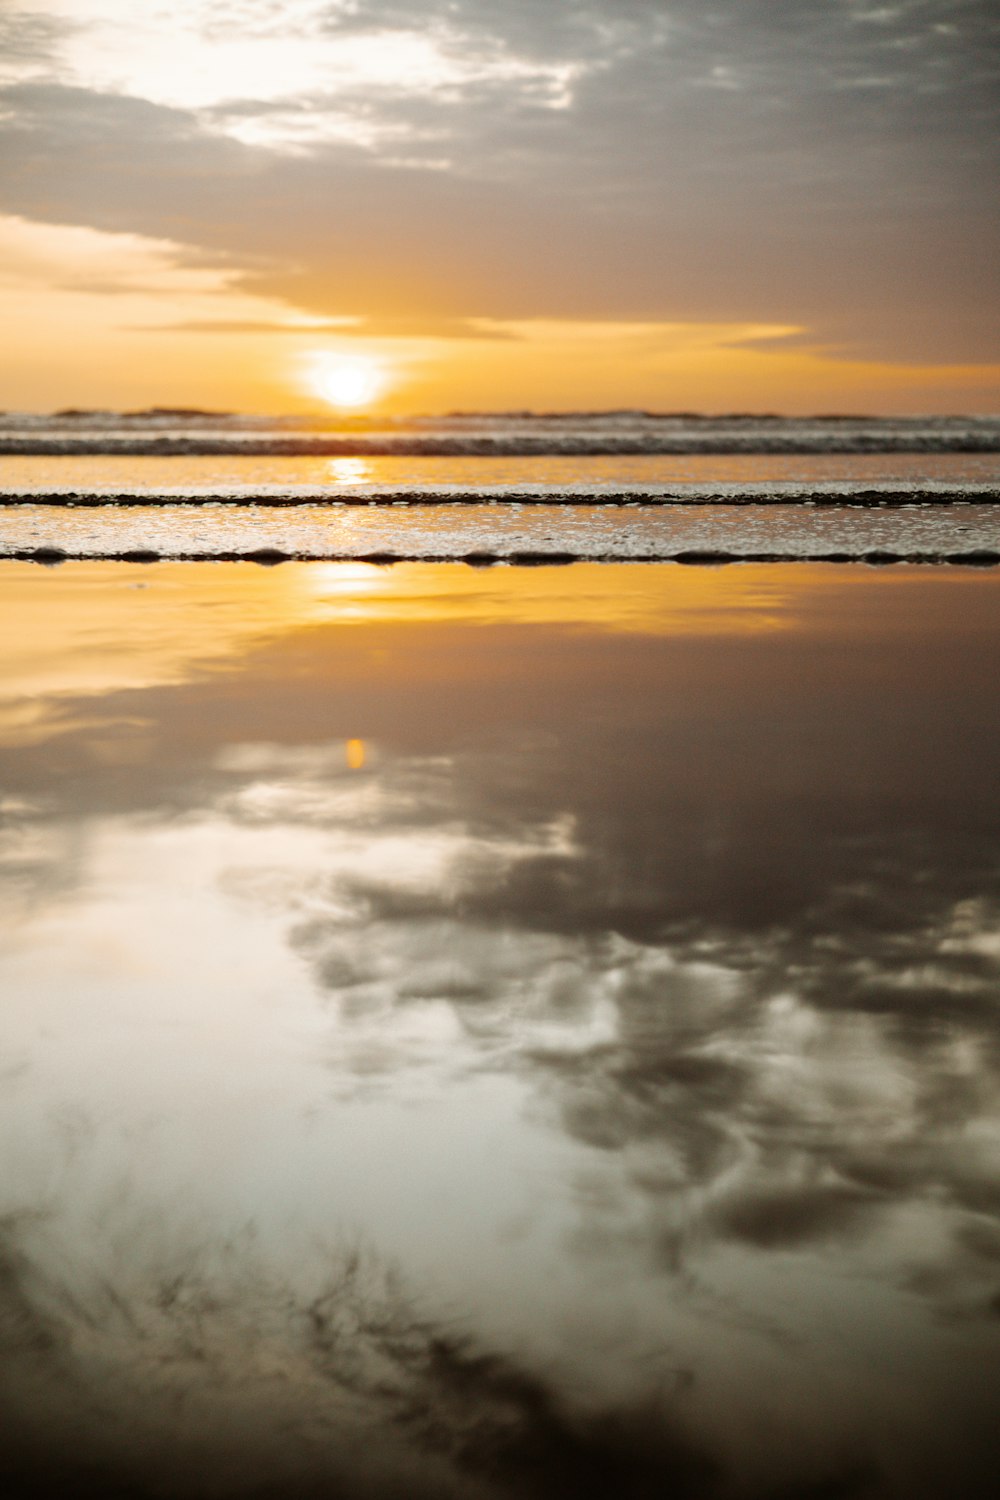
x=499 y=729
x=521 y=1031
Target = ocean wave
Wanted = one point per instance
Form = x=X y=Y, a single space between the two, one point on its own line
x=167 y=433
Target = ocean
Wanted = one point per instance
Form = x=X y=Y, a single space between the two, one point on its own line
x=511 y=487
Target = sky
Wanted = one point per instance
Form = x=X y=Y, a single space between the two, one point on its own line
x=676 y=204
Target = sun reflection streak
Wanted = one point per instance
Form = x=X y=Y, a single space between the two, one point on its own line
x=349 y=470
x=324 y=579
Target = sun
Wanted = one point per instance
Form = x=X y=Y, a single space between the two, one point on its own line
x=350 y=381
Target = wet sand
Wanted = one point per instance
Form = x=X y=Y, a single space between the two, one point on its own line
x=516 y=1033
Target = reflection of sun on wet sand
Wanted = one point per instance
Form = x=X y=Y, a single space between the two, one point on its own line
x=164 y=624
x=150 y=625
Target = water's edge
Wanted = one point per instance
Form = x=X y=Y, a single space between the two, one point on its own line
x=840 y=493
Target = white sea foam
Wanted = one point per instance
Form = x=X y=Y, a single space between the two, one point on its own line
x=511 y=532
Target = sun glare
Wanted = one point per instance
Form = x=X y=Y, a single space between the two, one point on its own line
x=348 y=381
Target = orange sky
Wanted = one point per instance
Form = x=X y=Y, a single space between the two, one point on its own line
x=268 y=207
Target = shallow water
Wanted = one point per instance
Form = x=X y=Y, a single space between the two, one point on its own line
x=530 y=1033
x=88 y=473
x=508 y=530
x=752 y=505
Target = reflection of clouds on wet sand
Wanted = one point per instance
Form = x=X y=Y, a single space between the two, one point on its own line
x=636 y=996
x=706 y=1112
x=777 y=1103
x=205 y=1370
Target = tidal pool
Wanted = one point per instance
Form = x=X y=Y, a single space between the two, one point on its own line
x=493 y=1034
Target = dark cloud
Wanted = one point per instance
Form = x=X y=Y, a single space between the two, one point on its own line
x=829 y=166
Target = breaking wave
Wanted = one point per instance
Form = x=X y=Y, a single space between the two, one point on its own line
x=172 y=431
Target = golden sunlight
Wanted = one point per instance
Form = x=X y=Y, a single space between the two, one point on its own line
x=345 y=380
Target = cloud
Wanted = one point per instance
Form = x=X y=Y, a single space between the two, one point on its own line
x=379 y=328
x=763 y=163
x=29 y=43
